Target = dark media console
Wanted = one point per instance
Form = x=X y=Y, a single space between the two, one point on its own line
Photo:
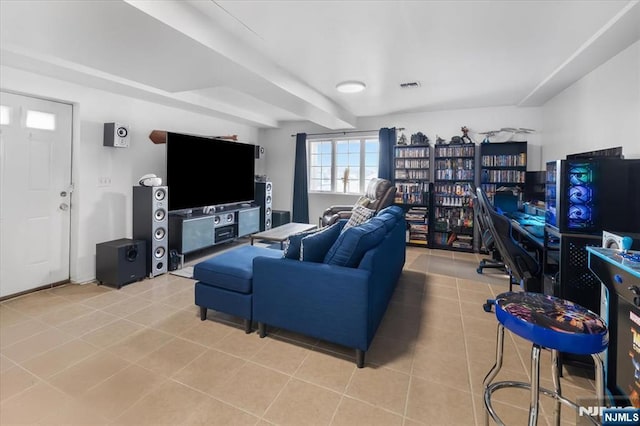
x=191 y=232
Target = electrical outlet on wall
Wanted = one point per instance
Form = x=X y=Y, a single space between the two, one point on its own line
x=104 y=181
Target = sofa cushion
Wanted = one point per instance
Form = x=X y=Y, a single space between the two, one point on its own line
x=353 y=243
x=232 y=269
x=359 y=215
x=314 y=247
x=397 y=211
x=389 y=220
x=292 y=245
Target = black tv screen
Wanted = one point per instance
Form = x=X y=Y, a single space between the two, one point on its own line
x=204 y=172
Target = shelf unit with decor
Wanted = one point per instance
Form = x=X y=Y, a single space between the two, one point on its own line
x=412 y=175
x=454 y=171
x=503 y=164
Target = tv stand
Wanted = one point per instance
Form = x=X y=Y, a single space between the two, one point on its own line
x=196 y=231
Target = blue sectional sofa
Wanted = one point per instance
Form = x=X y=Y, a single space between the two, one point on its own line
x=224 y=282
x=342 y=297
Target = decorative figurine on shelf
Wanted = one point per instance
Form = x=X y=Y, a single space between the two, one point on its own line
x=465 y=135
x=456 y=140
x=402 y=140
x=419 y=139
x=489 y=134
x=439 y=140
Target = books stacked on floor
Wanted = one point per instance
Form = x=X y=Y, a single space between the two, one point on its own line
x=463 y=241
x=418 y=222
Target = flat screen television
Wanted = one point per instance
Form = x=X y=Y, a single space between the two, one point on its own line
x=203 y=172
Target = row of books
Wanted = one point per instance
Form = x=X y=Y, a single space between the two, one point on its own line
x=515 y=176
x=514 y=160
x=415 y=163
x=454 y=174
x=417 y=174
x=455 y=163
x=412 y=152
x=455 y=151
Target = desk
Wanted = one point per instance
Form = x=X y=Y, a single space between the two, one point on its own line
x=620 y=309
x=529 y=232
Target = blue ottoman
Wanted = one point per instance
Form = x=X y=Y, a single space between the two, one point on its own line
x=225 y=282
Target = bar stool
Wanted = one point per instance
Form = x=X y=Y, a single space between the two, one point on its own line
x=552 y=323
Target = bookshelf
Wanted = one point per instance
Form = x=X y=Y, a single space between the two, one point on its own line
x=503 y=165
x=454 y=171
x=412 y=174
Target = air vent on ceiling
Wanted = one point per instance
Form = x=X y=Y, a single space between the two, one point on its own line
x=410 y=85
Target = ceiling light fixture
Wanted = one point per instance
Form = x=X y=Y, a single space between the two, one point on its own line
x=351 y=86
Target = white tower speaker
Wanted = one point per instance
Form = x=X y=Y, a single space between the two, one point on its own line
x=116 y=135
x=264 y=198
x=150 y=223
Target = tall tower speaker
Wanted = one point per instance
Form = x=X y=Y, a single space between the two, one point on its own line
x=150 y=223
x=264 y=197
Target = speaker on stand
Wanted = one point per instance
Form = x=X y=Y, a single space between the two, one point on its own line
x=150 y=223
x=264 y=198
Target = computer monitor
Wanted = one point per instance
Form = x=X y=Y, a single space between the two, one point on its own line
x=505 y=201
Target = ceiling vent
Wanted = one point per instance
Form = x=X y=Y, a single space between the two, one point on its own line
x=410 y=85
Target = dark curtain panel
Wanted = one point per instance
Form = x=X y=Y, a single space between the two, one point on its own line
x=387 y=139
x=300 y=189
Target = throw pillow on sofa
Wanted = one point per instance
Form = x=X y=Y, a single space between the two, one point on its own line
x=314 y=247
x=363 y=201
x=292 y=245
x=359 y=215
x=352 y=244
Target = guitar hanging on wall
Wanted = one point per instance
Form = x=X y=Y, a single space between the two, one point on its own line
x=160 y=136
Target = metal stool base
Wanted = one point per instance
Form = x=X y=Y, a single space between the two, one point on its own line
x=534 y=386
x=523 y=385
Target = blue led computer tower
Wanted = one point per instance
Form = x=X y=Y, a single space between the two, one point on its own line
x=587 y=196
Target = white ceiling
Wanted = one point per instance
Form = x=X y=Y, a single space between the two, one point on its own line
x=262 y=62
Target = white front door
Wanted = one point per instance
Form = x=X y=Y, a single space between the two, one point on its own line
x=35 y=192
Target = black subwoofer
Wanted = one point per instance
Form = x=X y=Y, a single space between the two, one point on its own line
x=121 y=262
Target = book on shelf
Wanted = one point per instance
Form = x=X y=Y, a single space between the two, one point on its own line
x=419 y=227
x=461 y=244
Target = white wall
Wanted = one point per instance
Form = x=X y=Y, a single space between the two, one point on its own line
x=280 y=145
x=103 y=213
x=601 y=110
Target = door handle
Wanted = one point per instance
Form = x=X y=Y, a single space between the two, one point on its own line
x=64 y=207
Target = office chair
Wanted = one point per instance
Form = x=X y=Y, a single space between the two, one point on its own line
x=495 y=262
x=522 y=267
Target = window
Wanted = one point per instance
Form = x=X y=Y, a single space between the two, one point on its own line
x=342 y=164
x=41 y=120
x=5 y=115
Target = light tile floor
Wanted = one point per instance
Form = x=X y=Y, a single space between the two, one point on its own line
x=88 y=354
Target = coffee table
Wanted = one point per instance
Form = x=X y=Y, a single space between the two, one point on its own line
x=282 y=232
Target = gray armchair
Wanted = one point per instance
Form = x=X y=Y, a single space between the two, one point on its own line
x=380 y=194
